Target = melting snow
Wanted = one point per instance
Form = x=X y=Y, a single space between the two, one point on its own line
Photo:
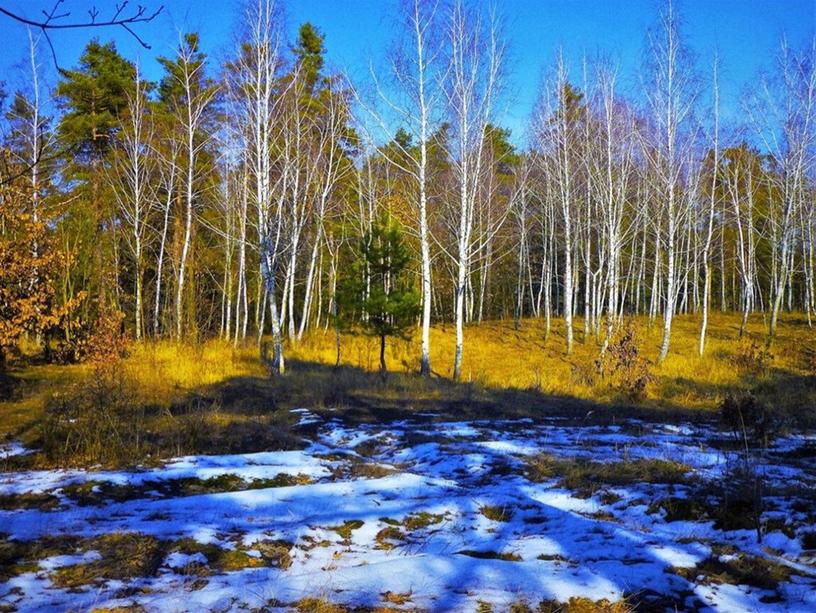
x=443 y=549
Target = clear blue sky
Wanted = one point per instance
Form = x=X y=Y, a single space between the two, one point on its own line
x=746 y=33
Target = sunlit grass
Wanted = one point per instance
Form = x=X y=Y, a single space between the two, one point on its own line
x=497 y=355
x=164 y=372
x=161 y=374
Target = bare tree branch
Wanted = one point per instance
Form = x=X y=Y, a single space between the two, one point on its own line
x=53 y=20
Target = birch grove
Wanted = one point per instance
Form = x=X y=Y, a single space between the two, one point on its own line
x=235 y=194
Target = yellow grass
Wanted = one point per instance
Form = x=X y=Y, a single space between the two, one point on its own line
x=154 y=373
x=165 y=372
x=496 y=356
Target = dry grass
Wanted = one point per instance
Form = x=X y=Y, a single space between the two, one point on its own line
x=497 y=356
x=198 y=391
x=586 y=477
x=164 y=372
x=158 y=375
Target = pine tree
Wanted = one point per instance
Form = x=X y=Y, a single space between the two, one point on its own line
x=379 y=291
x=94 y=97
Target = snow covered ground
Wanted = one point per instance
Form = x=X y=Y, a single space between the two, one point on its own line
x=421 y=515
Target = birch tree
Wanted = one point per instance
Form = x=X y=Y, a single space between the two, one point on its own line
x=190 y=94
x=671 y=100
x=131 y=176
x=783 y=113
x=471 y=85
x=414 y=68
x=712 y=206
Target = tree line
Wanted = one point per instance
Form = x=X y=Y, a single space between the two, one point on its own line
x=241 y=200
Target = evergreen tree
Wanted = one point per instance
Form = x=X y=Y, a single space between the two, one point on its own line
x=379 y=291
x=309 y=51
x=94 y=98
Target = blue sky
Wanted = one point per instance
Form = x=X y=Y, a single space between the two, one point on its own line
x=745 y=32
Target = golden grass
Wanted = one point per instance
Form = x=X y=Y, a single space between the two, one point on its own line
x=156 y=374
x=496 y=355
x=164 y=374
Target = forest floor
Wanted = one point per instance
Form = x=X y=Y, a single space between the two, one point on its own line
x=183 y=477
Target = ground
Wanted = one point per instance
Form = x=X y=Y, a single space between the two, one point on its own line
x=419 y=515
x=183 y=477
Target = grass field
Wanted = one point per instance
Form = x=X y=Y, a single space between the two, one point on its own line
x=192 y=398
x=497 y=355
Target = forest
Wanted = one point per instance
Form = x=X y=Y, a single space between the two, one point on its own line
x=257 y=273
x=227 y=201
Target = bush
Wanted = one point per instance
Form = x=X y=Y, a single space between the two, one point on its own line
x=742 y=496
x=94 y=424
x=809 y=360
x=102 y=341
x=752 y=359
x=747 y=419
x=623 y=361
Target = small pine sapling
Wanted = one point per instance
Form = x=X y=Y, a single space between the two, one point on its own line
x=378 y=293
